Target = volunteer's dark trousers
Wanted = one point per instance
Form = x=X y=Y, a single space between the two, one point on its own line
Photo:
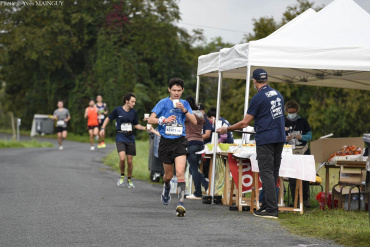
x=269 y=159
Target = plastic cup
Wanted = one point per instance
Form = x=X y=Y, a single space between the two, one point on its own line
x=175 y=101
x=146 y=115
x=148 y=126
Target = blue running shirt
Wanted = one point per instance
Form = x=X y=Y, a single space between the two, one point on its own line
x=165 y=108
x=123 y=117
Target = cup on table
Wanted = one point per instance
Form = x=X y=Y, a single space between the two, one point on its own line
x=175 y=101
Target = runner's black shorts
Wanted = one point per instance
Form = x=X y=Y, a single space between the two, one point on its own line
x=91 y=127
x=169 y=149
x=128 y=147
x=60 y=129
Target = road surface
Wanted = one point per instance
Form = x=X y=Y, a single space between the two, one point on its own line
x=70 y=198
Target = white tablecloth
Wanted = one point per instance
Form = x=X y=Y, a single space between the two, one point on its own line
x=292 y=166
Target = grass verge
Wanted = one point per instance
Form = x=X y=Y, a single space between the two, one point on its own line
x=140 y=161
x=349 y=228
x=24 y=144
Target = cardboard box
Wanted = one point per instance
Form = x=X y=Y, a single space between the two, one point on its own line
x=323 y=148
x=352 y=176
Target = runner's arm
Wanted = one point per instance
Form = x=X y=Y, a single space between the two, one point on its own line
x=191 y=118
x=102 y=131
x=154 y=120
x=85 y=116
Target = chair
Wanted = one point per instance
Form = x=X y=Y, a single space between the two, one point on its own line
x=351 y=179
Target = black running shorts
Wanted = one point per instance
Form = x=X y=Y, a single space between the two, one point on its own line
x=169 y=149
x=128 y=147
x=60 y=129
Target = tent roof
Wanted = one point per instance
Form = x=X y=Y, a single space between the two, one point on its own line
x=330 y=48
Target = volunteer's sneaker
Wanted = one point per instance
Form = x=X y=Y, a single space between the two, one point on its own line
x=60 y=148
x=92 y=148
x=266 y=214
x=166 y=197
x=99 y=145
x=180 y=210
x=130 y=184
x=120 y=182
x=103 y=144
x=262 y=208
x=307 y=204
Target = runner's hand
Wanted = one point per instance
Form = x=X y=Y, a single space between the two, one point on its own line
x=180 y=106
x=102 y=133
x=299 y=137
x=288 y=138
x=170 y=119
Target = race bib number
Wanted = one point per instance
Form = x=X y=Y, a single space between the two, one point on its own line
x=174 y=129
x=60 y=122
x=126 y=127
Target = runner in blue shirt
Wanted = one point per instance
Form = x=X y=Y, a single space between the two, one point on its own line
x=170 y=113
x=126 y=120
x=267 y=110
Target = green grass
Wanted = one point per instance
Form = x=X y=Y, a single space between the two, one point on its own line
x=24 y=144
x=140 y=161
x=349 y=228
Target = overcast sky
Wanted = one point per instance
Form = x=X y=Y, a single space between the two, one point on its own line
x=215 y=17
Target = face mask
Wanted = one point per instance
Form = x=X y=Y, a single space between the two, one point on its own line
x=292 y=116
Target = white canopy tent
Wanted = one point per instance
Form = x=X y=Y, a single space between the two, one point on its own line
x=330 y=48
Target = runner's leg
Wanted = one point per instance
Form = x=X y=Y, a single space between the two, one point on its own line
x=91 y=137
x=59 y=138
x=64 y=134
x=180 y=162
x=122 y=157
x=96 y=131
x=168 y=173
x=129 y=166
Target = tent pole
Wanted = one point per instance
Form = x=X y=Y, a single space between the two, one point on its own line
x=197 y=91
x=246 y=100
x=215 y=140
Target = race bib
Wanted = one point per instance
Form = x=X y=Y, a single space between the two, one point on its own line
x=126 y=127
x=101 y=116
x=174 y=129
x=60 y=122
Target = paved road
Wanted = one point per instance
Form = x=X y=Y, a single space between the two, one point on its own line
x=70 y=198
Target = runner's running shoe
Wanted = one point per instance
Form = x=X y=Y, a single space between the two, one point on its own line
x=180 y=210
x=130 y=184
x=103 y=145
x=120 y=182
x=92 y=148
x=166 y=197
x=60 y=148
x=99 y=145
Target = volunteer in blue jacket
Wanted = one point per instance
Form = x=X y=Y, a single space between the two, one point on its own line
x=267 y=110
